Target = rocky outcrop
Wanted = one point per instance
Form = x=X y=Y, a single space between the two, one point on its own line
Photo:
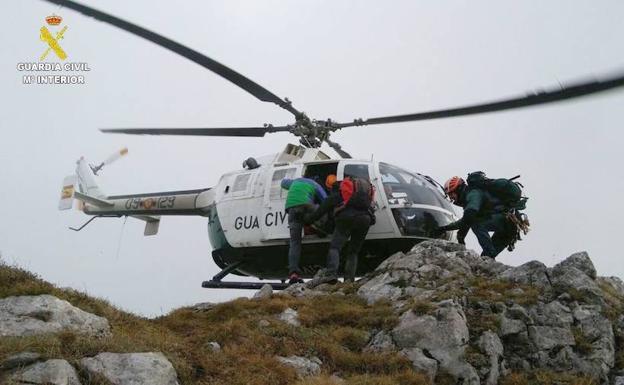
x=132 y=368
x=453 y=315
x=482 y=319
x=43 y=314
x=442 y=337
x=27 y=316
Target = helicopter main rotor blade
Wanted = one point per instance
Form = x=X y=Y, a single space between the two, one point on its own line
x=574 y=90
x=243 y=82
x=231 y=131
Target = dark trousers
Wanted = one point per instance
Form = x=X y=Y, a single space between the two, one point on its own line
x=503 y=234
x=295 y=223
x=347 y=226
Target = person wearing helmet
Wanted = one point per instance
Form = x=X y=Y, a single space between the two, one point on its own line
x=351 y=224
x=483 y=213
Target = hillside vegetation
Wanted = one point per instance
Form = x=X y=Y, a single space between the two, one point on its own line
x=436 y=315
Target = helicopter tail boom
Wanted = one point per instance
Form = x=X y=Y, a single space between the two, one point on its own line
x=148 y=207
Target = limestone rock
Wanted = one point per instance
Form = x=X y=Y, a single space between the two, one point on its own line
x=491 y=346
x=301 y=290
x=213 y=346
x=132 y=368
x=567 y=278
x=42 y=314
x=303 y=366
x=265 y=292
x=19 y=360
x=51 y=372
x=531 y=273
x=203 y=307
x=381 y=287
x=421 y=363
x=614 y=283
x=581 y=261
x=443 y=336
x=380 y=342
x=597 y=329
x=551 y=314
x=549 y=337
x=290 y=316
x=511 y=326
x=517 y=312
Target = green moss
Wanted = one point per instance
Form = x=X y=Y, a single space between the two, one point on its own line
x=582 y=343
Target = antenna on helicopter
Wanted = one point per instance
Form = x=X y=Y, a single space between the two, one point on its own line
x=114 y=157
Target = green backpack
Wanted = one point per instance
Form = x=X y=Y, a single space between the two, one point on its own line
x=506 y=190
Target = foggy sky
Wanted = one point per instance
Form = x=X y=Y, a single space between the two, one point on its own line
x=333 y=59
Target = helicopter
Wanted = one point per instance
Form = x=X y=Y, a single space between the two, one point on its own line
x=247 y=224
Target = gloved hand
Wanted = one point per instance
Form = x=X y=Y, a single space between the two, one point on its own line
x=373 y=218
x=438 y=230
x=461 y=236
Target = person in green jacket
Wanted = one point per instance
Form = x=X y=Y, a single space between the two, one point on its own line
x=303 y=196
x=483 y=213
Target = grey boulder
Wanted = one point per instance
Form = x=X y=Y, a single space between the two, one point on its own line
x=421 y=363
x=290 y=316
x=43 y=314
x=380 y=342
x=51 y=372
x=265 y=292
x=580 y=261
x=19 y=360
x=132 y=368
x=303 y=366
x=569 y=279
x=491 y=346
x=531 y=273
x=442 y=336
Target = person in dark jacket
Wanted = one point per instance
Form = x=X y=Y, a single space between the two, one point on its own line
x=303 y=195
x=351 y=225
x=482 y=213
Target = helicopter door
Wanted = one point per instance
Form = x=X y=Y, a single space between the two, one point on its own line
x=274 y=218
x=383 y=225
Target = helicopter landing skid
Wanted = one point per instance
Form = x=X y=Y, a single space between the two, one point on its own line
x=217 y=283
x=212 y=284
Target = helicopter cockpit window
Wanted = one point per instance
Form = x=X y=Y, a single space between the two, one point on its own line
x=403 y=187
x=276 y=182
x=241 y=183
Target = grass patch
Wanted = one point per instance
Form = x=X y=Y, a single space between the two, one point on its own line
x=479 y=322
x=334 y=328
x=498 y=290
x=420 y=307
x=582 y=344
x=614 y=301
x=406 y=377
x=546 y=377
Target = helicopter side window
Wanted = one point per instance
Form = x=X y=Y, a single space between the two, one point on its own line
x=276 y=181
x=241 y=183
x=357 y=170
